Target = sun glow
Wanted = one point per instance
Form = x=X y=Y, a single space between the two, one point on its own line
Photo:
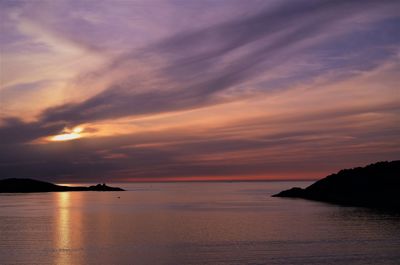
x=75 y=133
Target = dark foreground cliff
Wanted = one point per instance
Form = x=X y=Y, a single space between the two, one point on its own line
x=14 y=185
x=376 y=185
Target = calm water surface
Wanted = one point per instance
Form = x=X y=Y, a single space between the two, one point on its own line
x=192 y=223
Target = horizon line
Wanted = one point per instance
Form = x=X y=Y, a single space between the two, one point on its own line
x=188 y=181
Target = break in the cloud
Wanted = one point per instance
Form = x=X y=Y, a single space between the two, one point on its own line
x=188 y=90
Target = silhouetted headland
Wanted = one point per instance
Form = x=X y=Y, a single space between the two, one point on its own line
x=376 y=185
x=14 y=185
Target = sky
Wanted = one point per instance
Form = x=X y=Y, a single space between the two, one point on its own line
x=197 y=90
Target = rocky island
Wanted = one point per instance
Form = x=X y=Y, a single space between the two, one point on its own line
x=15 y=185
x=376 y=185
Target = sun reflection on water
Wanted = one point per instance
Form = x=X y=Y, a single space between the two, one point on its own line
x=63 y=219
x=67 y=227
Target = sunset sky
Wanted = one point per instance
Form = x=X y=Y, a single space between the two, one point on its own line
x=197 y=90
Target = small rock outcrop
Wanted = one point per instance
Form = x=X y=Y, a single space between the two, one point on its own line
x=15 y=185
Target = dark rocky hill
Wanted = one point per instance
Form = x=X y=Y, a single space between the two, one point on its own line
x=376 y=185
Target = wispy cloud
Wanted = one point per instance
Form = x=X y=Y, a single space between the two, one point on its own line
x=304 y=74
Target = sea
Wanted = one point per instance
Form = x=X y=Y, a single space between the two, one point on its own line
x=192 y=223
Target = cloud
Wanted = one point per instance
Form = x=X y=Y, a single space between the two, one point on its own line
x=294 y=150
x=202 y=64
x=272 y=60
x=285 y=142
x=14 y=130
